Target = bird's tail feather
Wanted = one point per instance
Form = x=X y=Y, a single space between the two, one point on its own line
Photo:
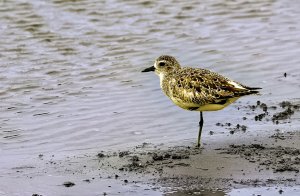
x=253 y=88
x=249 y=91
x=254 y=92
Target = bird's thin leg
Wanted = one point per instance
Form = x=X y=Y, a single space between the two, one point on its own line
x=200 y=129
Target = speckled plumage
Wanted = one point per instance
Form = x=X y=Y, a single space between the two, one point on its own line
x=197 y=89
x=194 y=87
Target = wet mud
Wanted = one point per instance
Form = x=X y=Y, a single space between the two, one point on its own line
x=278 y=158
x=264 y=162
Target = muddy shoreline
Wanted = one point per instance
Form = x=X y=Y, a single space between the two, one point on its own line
x=267 y=160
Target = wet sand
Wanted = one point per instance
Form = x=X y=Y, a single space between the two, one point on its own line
x=267 y=161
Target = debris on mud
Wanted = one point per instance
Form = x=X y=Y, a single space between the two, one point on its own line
x=238 y=127
x=287 y=113
x=284 y=168
x=100 y=155
x=259 y=117
x=278 y=158
x=268 y=111
x=283 y=135
x=232 y=129
x=69 y=184
x=139 y=161
x=123 y=153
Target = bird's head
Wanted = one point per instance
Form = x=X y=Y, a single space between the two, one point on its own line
x=163 y=64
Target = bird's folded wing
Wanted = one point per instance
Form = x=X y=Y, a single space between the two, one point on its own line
x=204 y=87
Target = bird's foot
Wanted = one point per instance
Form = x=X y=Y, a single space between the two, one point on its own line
x=198 y=146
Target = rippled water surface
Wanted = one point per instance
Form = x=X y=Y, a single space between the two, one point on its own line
x=70 y=77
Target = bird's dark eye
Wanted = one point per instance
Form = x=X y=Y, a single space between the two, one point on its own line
x=161 y=64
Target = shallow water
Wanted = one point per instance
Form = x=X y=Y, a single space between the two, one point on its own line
x=70 y=70
x=268 y=191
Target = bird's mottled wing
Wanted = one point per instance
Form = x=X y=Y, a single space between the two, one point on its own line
x=202 y=86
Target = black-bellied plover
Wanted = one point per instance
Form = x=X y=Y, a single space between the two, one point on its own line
x=197 y=89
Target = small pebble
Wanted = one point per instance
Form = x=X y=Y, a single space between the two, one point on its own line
x=280 y=191
x=69 y=184
x=100 y=155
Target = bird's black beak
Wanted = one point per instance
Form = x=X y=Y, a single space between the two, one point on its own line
x=152 y=68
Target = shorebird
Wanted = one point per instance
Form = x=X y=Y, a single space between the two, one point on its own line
x=197 y=89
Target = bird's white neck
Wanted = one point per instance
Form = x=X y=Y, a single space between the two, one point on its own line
x=161 y=78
